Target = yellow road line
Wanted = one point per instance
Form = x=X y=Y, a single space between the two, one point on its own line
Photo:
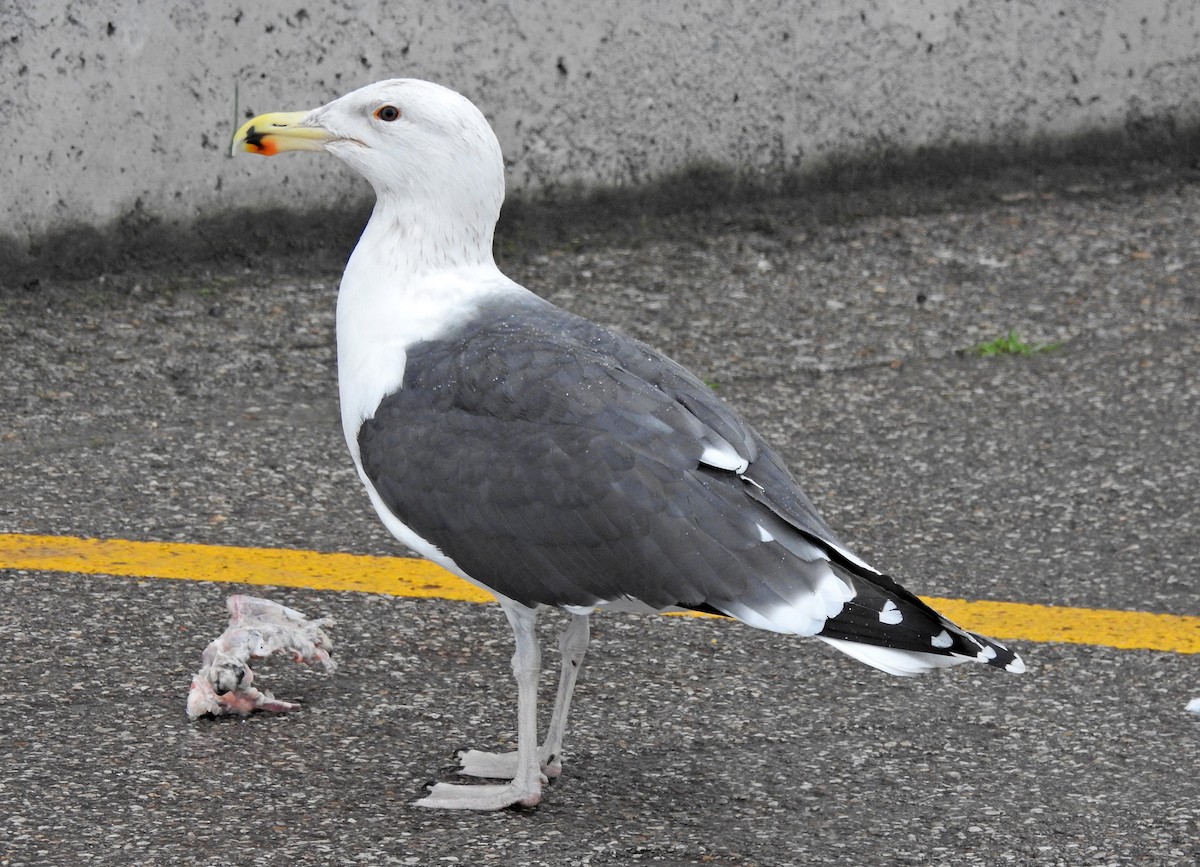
x=399 y=576
x=395 y=576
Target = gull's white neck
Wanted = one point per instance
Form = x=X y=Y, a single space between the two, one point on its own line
x=411 y=237
x=415 y=274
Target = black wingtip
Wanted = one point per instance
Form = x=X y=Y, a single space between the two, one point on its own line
x=995 y=654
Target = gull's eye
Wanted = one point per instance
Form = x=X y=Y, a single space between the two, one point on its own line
x=388 y=113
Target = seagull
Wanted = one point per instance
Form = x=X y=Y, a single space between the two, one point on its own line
x=550 y=460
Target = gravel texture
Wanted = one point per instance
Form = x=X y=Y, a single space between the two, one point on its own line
x=203 y=409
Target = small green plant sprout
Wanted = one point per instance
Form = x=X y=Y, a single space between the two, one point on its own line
x=1011 y=344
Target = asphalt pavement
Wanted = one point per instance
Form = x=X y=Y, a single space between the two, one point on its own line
x=202 y=408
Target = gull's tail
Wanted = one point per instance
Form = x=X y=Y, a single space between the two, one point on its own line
x=890 y=628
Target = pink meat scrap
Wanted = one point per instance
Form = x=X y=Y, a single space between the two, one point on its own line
x=257 y=628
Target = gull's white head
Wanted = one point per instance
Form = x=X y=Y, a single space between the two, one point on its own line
x=428 y=151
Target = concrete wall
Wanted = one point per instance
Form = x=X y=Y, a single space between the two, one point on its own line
x=112 y=105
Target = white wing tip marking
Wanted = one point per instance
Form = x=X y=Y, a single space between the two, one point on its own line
x=891 y=615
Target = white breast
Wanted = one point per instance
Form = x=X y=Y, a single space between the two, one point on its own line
x=377 y=321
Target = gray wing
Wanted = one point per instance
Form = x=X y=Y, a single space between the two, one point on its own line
x=559 y=463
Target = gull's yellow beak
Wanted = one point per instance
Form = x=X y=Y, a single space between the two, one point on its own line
x=270 y=134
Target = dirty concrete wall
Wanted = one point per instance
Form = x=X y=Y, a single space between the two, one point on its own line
x=113 y=105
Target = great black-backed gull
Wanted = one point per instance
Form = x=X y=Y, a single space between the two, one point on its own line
x=549 y=459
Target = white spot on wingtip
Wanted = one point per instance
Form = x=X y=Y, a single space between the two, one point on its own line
x=891 y=615
x=987 y=654
x=1193 y=706
x=1017 y=666
x=943 y=640
x=763 y=535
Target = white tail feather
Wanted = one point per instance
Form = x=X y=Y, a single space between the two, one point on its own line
x=905 y=663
